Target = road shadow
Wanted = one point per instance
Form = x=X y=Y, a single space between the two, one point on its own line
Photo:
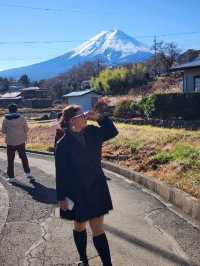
x=39 y=192
x=149 y=247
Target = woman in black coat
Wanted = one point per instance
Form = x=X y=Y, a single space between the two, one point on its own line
x=80 y=178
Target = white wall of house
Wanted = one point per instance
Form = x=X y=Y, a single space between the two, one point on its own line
x=85 y=101
x=189 y=78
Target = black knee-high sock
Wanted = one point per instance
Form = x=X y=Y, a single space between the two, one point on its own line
x=80 y=239
x=102 y=247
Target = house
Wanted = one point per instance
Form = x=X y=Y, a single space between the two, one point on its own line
x=14 y=86
x=10 y=97
x=34 y=92
x=32 y=97
x=191 y=75
x=85 y=98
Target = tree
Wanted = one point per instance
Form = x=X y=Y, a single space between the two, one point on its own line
x=165 y=55
x=172 y=53
x=24 y=80
x=120 y=80
x=4 y=84
x=75 y=79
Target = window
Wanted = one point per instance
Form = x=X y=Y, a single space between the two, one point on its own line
x=197 y=84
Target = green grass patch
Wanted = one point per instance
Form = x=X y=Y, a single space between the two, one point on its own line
x=185 y=154
x=163 y=157
x=40 y=147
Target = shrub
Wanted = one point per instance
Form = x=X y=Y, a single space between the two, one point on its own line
x=134 y=148
x=126 y=109
x=147 y=106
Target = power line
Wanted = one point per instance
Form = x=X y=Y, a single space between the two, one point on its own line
x=47 y=9
x=20 y=58
x=46 y=57
x=85 y=40
x=168 y=34
x=31 y=7
x=39 y=42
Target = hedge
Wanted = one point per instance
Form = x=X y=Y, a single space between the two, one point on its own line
x=171 y=106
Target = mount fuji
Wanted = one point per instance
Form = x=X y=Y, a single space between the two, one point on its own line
x=112 y=47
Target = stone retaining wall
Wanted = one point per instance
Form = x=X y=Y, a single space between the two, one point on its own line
x=182 y=200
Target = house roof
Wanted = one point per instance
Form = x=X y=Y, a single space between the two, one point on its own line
x=193 y=64
x=78 y=93
x=10 y=95
x=31 y=88
x=14 y=98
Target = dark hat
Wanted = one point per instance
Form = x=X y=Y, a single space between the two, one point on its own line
x=12 y=108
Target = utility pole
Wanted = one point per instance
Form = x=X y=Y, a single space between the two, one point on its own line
x=98 y=65
x=155 y=55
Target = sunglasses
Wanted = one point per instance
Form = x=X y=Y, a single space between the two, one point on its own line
x=83 y=115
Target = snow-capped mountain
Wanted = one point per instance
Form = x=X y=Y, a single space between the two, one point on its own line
x=112 y=47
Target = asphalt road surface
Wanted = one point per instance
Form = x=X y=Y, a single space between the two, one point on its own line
x=141 y=230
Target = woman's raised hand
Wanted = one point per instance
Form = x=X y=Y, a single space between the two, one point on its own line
x=94 y=116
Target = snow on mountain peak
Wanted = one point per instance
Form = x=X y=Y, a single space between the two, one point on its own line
x=113 y=47
x=109 y=42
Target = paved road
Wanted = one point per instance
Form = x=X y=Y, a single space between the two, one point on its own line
x=141 y=230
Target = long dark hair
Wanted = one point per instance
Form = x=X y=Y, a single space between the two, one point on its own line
x=67 y=113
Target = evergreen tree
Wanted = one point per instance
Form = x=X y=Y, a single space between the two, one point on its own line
x=4 y=84
x=24 y=80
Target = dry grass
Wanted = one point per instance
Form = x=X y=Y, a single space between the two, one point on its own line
x=171 y=155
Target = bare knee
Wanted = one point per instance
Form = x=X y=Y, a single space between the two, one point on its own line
x=79 y=226
x=96 y=226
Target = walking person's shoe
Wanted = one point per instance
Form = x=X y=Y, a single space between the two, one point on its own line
x=12 y=180
x=30 y=177
x=80 y=263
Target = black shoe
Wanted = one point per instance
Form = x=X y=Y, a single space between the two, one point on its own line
x=80 y=263
x=31 y=178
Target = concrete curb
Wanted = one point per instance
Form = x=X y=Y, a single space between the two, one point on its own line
x=4 y=206
x=188 y=204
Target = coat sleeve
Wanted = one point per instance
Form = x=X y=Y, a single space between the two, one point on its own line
x=61 y=170
x=4 y=126
x=107 y=129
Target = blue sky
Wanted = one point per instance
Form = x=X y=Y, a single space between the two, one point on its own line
x=77 y=20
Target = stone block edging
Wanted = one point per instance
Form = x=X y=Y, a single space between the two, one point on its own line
x=188 y=204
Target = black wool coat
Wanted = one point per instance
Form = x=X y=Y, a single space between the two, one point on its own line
x=79 y=175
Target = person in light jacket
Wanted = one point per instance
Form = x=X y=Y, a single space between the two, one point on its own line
x=80 y=178
x=15 y=128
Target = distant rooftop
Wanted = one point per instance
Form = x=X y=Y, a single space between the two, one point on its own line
x=30 y=88
x=78 y=93
x=10 y=95
x=193 y=64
